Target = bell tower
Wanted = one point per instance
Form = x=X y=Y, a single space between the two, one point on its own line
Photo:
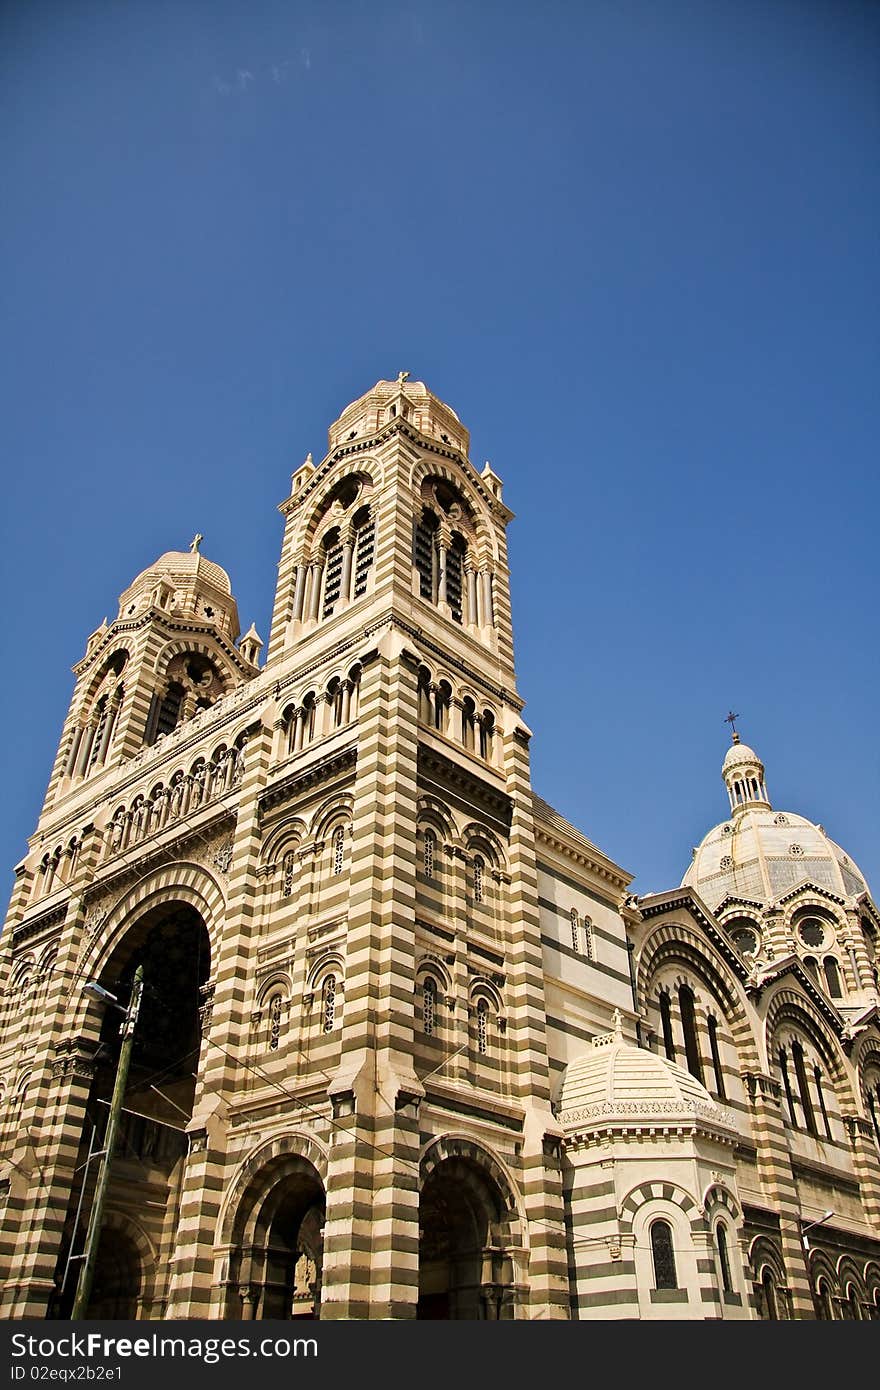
x=392 y=621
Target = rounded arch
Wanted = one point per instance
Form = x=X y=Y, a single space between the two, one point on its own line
x=789 y=1006
x=645 y=1192
x=258 y=1171
x=674 y=944
x=278 y=982
x=452 y=1145
x=288 y=835
x=477 y=500
x=330 y=962
x=436 y=815
x=111 y=666
x=430 y=964
x=335 y=810
x=183 y=883
x=481 y=987
x=353 y=490
x=478 y=838
x=195 y=646
x=717 y=1196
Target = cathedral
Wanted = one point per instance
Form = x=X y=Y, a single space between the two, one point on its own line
x=406 y=1044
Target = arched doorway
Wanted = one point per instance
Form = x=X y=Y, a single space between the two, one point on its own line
x=118 y=1276
x=171 y=943
x=466 y=1266
x=275 y=1268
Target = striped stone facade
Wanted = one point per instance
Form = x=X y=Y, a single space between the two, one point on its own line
x=400 y=1053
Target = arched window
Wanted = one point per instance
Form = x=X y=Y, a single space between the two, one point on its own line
x=364 y=549
x=666 y=1023
x=288 y=872
x=663 y=1256
x=854 y=1310
x=425 y=554
x=483 y=1025
x=723 y=1257
x=429 y=1006
x=334 y=699
x=689 y=1028
x=307 y=716
x=487 y=735
x=712 y=1022
x=332 y=571
x=328 y=997
x=817 y=1077
x=428 y=853
x=812 y=965
x=588 y=938
x=786 y=1082
x=455 y=557
x=169 y=709
x=832 y=977
x=824 y=1306
x=575 y=933
x=478 y=878
x=338 y=849
x=797 y=1053
x=468 y=723
x=768 y=1287
x=442 y=699
x=426 y=713
x=276 y=1006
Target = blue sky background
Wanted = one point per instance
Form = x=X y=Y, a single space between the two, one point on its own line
x=634 y=245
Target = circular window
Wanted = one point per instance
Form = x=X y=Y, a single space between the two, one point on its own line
x=726 y=861
x=780 y=819
x=745 y=941
x=795 y=850
x=811 y=932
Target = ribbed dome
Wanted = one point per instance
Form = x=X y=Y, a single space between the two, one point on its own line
x=761 y=854
x=188 y=564
x=619 y=1083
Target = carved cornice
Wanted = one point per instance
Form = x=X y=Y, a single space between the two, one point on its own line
x=451 y=775
x=297 y=782
x=35 y=925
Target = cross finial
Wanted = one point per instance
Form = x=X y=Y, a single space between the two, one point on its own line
x=730 y=720
x=402 y=377
x=195 y=543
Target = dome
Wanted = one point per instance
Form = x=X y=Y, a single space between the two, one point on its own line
x=188 y=564
x=186 y=585
x=761 y=854
x=404 y=401
x=617 y=1083
x=740 y=755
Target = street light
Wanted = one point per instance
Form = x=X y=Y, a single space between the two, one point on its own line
x=811 y=1224
x=87 y=1273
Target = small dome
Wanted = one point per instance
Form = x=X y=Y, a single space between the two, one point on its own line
x=621 y=1084
x=190 y=564
x=740 y=755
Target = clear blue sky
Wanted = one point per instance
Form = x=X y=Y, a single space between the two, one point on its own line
x=634 y=245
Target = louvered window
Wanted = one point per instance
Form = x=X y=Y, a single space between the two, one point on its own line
x=425 y=554
x=455 y=576
x=332 y=576
x=364 y=551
